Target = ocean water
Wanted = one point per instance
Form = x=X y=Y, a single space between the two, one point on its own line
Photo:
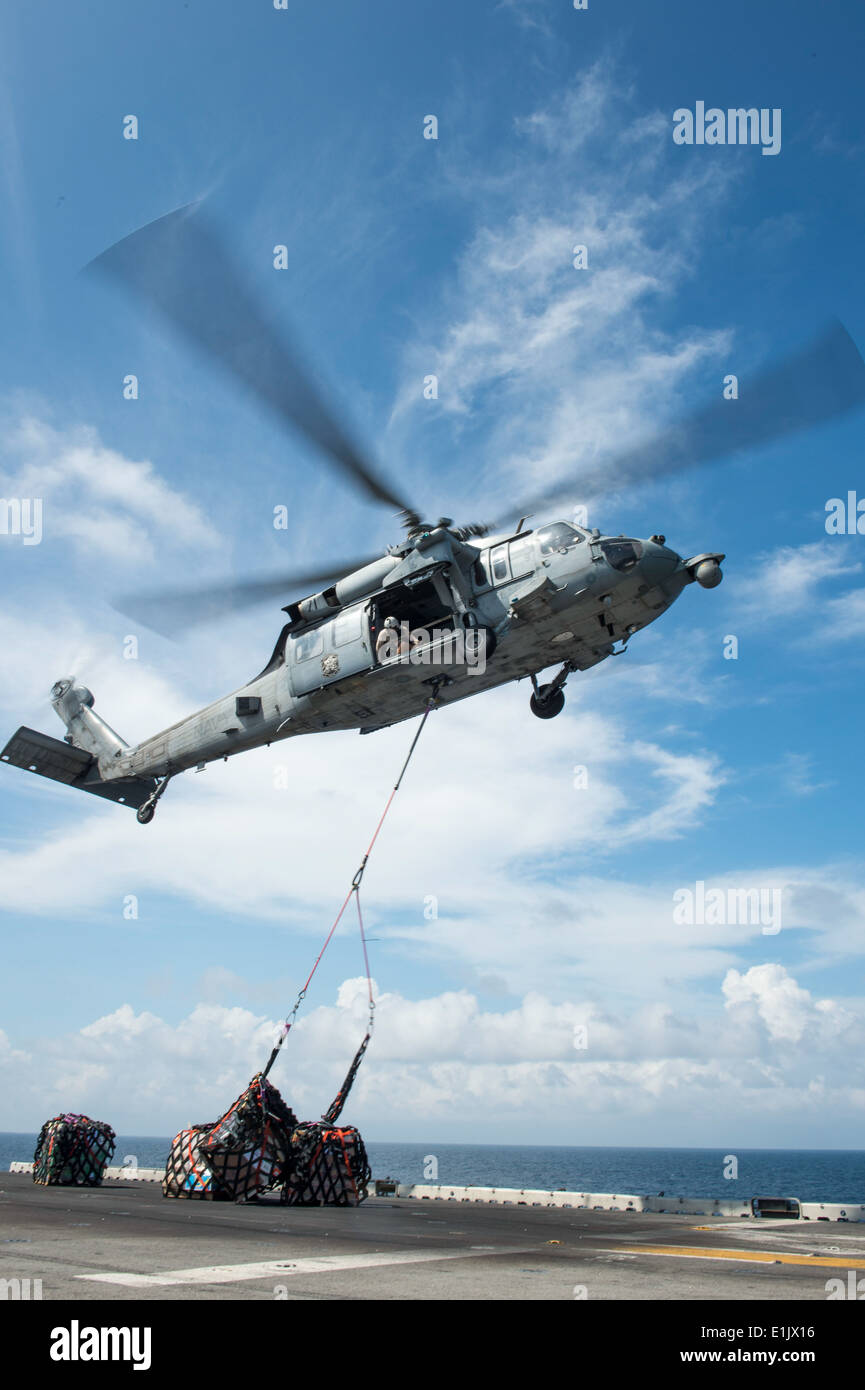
x=826 y=1175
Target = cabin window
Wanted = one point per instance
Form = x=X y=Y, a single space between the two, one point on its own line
x=307 y=645
x=557 y=537
x=346 y=627
x=499 y=563
x=522 y=555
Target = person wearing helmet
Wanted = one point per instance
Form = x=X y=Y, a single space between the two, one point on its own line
x=388 y=644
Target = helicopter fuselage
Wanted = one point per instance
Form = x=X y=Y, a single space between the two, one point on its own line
x=521 y=604
x=437 y=617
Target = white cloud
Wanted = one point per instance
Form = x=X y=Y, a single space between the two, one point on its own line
x=565 y=364
x=786 y=1010
x=693 y=783
x=336 y=786
x=846 y=616
x=107 y=505
x=443 y=1063
x=799 y=585
x=133 y=696
x=575 y=114
x=785 y=582
x=798 y=773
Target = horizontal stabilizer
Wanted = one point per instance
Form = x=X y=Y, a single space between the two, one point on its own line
x=63 y=762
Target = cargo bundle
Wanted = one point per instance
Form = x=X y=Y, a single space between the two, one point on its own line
x=73 y=1151
x=245 y=1153
x=330 y=1167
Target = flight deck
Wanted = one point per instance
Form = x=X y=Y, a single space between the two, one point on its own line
x=124 y=1241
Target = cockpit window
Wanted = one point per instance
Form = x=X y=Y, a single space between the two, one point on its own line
x=557 y=537
x=622 y=555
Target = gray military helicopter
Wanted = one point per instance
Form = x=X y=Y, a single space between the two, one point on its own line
x=448 y=611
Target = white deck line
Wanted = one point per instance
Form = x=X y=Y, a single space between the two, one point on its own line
x=287 y=1269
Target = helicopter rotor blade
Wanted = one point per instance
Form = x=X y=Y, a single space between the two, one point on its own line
x=171 y=611
x=179 y=264
x=821 y=381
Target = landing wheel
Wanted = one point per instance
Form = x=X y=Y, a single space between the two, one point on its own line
x=147 y=809
x=547 y=703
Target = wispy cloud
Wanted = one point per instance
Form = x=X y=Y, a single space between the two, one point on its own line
x=846 y=616
x=799 y=585
x=529 y=14
x=785 y=580
x=798 y=775
x=560 y=365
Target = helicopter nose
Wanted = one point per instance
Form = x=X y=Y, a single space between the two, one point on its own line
x=658 y=562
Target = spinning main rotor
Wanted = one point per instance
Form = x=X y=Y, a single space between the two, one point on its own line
x=179 y=265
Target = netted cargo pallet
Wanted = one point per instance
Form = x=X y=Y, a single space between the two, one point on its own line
x=245 y=1153
x=329 y=1163
x=186 y=1173
x=330 y=1167
x=73 y=1151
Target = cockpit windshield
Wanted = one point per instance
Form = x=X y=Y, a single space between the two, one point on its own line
x=622 y=554
x=557 y=537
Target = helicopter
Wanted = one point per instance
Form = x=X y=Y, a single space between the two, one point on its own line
x=448 y=611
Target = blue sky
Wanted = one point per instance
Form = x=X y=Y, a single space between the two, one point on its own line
x=410 y=256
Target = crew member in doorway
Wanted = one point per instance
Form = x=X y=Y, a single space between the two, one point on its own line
x=388 y=644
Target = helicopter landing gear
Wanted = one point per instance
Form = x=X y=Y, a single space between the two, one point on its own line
x=547 y=703
x=549 y=700
x=147 y=810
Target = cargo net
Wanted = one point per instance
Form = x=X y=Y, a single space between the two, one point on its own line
x=246 y=1152
x=330 y=1167
x=73 y=1150
x=186 y=1173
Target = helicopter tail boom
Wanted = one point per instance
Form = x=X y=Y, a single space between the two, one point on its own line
x=75 y=767
x=75 y=760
